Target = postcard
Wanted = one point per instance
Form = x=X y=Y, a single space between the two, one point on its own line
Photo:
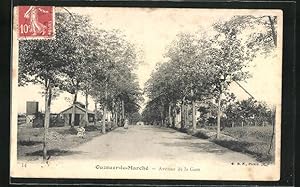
x=146 y=93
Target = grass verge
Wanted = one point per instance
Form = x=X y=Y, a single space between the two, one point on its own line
x=251 y=140
x=59 y=141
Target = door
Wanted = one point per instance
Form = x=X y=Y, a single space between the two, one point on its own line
x=70 y=119
x=77 y=119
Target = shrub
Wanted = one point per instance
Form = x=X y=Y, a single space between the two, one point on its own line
x=71 y=130
x=92 y=128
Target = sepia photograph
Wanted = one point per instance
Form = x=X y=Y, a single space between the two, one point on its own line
x=146 y=93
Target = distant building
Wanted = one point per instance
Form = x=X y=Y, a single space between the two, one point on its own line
x=32 y=109
x=79 y=114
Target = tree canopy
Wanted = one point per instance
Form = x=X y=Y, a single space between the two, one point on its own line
x=97 y=62
x=199 y=68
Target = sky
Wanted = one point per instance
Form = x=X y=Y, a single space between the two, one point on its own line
x=152 y=30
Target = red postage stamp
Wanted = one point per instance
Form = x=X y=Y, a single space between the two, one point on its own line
x=36 y=22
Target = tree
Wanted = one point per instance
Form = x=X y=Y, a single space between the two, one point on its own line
x=97 y=62
x=113 y=78
x=41 y=62
x=151 y=114
x=200 y=67
x=184 y=77
x=262 y=32
x=250 y=112
x=229 y=59
x=135 y=117
x=236 y=53
x=77 y=72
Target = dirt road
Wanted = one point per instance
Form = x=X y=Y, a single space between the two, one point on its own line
x=144 y=142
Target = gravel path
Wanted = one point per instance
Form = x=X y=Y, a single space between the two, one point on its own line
x=148 y=142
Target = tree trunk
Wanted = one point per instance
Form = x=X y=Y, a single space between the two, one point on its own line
x=273 y=31
x=113 y=113
x=182 y=114
x=104 y=119
x=86 y=109
x=179 y=119
x=273 y=132
x=219 y=116
x=170 y=114
x=194 y=115
x=199 y=121
x=48 y=94
x=186 y=116
x=174 y=116
x=123 y=110
x=116 y=117
x=95 y=110
x=73 y=109
x=104 y=111
x=117 y=113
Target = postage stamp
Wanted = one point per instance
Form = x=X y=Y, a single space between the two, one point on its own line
x=36 y=22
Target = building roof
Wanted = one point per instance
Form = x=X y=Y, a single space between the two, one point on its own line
x=79 y=107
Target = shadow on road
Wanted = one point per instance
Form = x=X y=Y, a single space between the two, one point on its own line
x=120 y=130
x=159 y=129
x=29 y=142
x=205 y=147
x=54 y=152
x=183 y=138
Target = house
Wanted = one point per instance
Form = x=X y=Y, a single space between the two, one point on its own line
x=79 y=114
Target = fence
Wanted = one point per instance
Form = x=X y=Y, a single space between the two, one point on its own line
x=21 y=120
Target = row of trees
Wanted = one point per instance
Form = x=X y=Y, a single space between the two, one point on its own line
x=200 y=67
x=82 y=58
x=237 y=113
